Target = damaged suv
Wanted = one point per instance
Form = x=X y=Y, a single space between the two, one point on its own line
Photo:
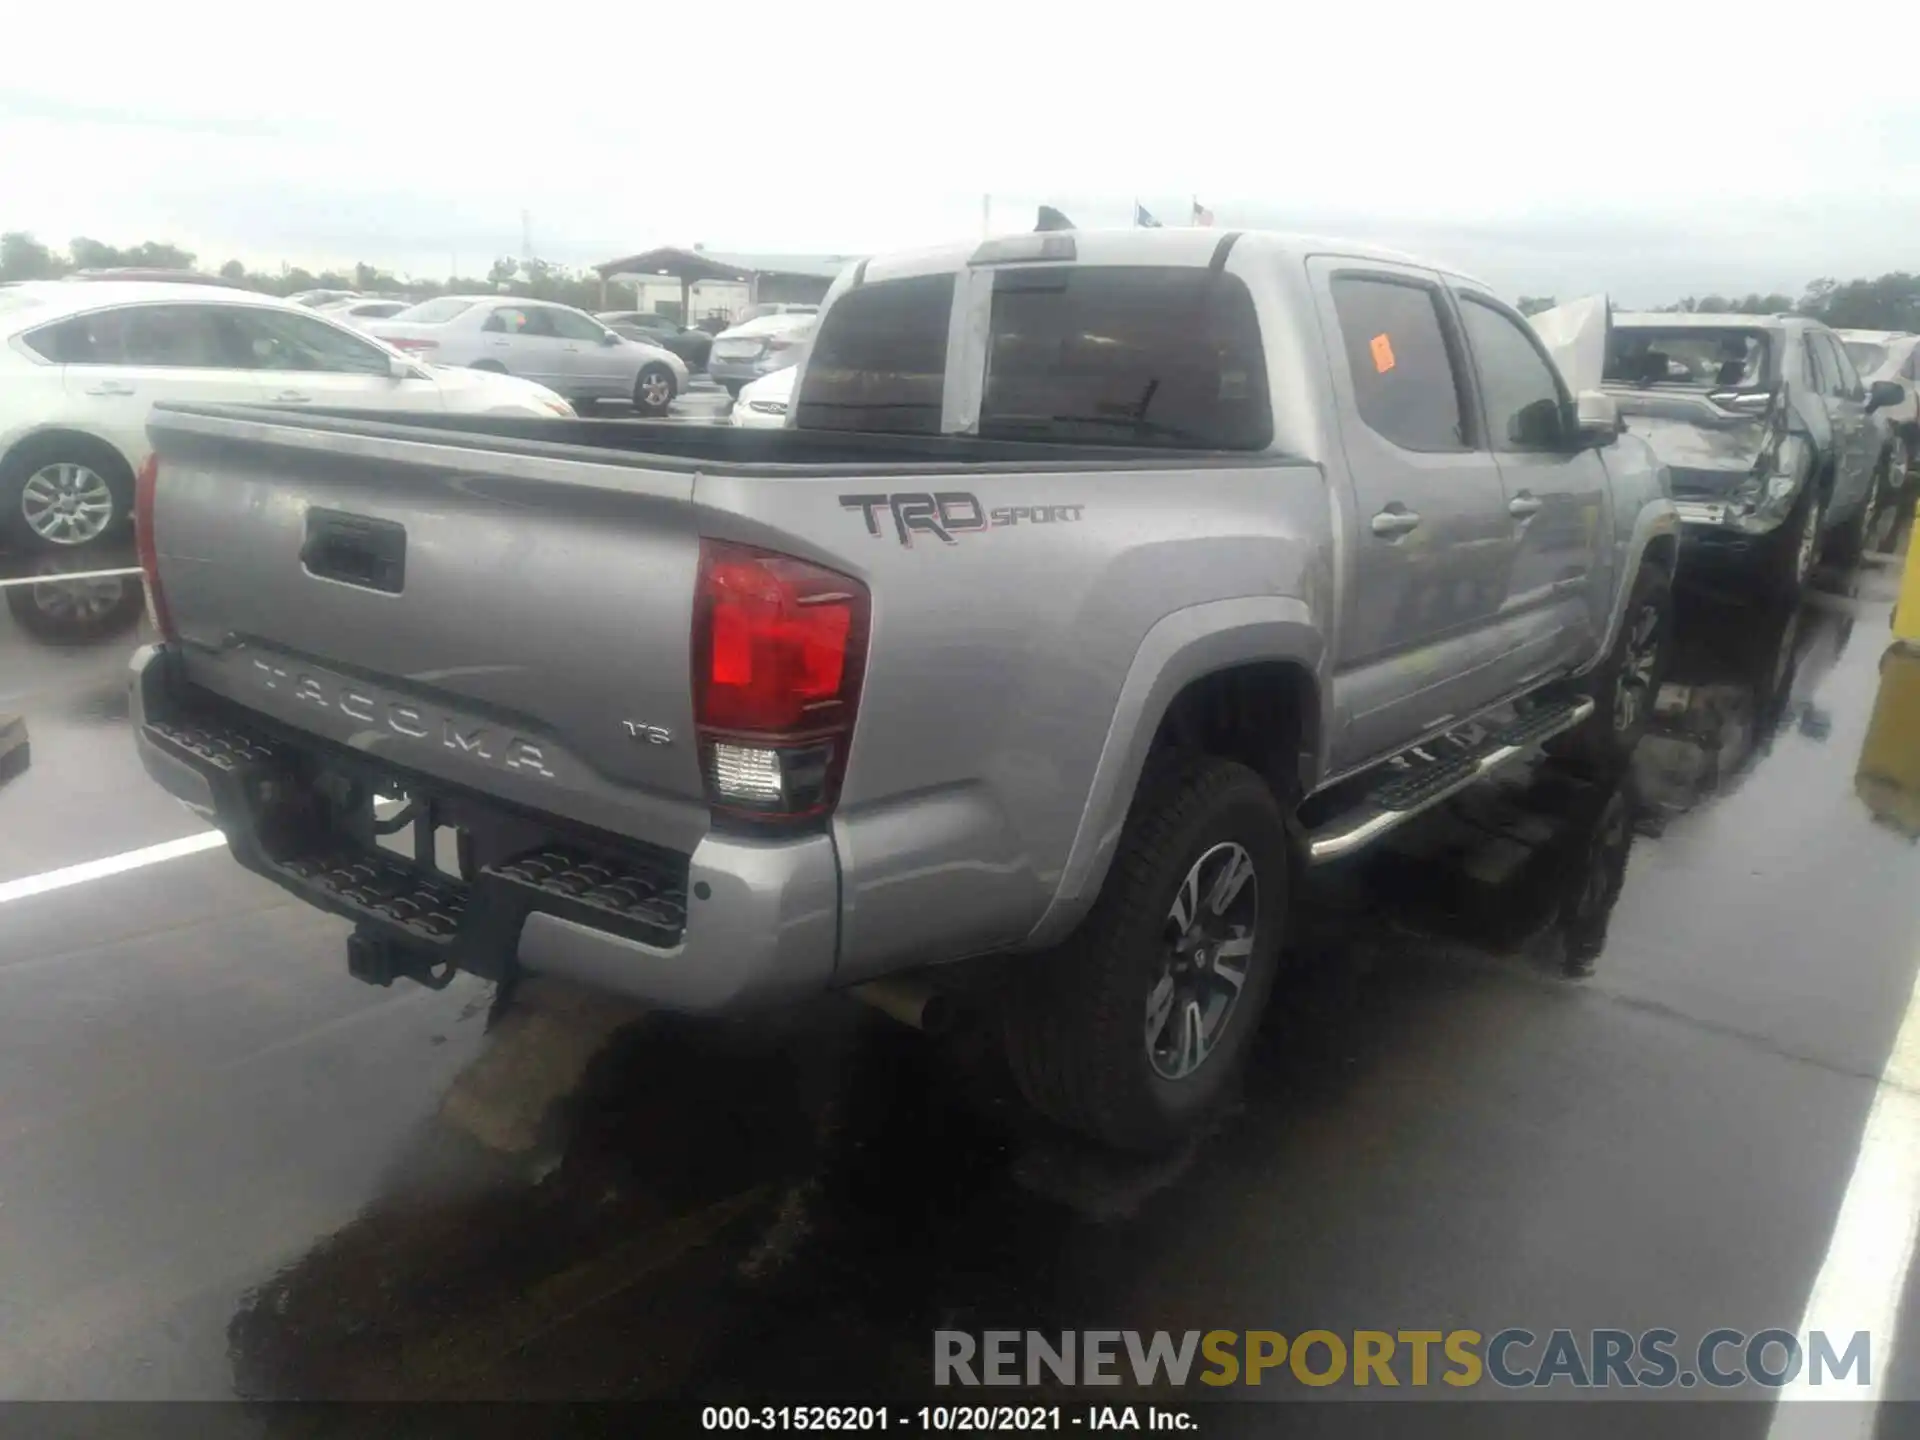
x=1777 y=449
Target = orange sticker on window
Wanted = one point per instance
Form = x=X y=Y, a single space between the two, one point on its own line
x=1382 y=349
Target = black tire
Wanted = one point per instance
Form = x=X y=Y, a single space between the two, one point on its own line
x=1625 y=685
x=653 y=390
x=34 y=457
x=493 y=367
x=1849 y=542
x=1076 y=1020
x=1786 y=565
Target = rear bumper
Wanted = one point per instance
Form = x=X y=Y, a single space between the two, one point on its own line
x=740 y=922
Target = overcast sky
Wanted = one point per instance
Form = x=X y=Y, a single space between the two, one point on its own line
x=1662 y=152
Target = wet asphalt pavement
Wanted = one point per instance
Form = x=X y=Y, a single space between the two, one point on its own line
x=226 y=1169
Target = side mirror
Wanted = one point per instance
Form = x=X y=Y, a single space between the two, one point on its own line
x=402 y=369
x=608 y=337
x=1884 y=393
x=1596 y=419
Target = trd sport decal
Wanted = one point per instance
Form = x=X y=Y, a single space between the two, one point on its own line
x=950 y=513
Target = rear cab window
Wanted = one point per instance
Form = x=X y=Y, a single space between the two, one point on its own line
x=1136 y=355
x=880 y=359
x=1156 y=356
x=1696 y=357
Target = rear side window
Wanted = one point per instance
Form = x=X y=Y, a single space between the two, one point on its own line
x=190 y=337
x=1404 y=384
x=1133 y=355
x=880 y=358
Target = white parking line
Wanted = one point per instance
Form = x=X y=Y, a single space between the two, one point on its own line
x=1864 y=1276
x=112 y=865
x=56 y=577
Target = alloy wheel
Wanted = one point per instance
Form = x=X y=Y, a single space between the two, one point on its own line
x=67 y=504
x=1208 y=942
x=656 y=390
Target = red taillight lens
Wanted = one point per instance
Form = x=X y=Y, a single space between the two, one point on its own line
x=414 y=347
x=145 y=485
x=779 y=646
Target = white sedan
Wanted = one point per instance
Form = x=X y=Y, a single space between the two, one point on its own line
x=81 y=365
x=763 y=404
x=566 y=350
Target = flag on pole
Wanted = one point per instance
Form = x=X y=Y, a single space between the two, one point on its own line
x=1052 y=219
x=1142 y=220
x=1201 y=215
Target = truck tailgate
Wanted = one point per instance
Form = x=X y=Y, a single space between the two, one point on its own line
x=514 y=623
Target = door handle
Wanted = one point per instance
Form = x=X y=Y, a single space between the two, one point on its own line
x=291 y=397
x=501 y=344
x=1524 y=505
x=1390 y=522
x=110 y=387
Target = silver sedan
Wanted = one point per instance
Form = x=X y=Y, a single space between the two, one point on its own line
x=564 y=349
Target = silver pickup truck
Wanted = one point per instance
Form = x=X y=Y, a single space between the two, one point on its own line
x=1097 y=584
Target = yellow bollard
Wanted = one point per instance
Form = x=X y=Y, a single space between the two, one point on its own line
x=1888 y=777
x=1906 y=611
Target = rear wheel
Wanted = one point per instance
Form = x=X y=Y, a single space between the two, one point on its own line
x=62 y=492
x=1136 y=1029
x=653 y=390
x=1855 y=538
x=1794 y=547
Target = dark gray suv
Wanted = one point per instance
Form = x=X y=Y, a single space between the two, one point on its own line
x=1775 y=446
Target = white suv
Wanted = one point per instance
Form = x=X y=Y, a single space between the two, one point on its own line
x=81 y=365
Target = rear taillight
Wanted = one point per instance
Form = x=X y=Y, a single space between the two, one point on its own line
x=145 y=484
x=779 y=646
x=414 y=347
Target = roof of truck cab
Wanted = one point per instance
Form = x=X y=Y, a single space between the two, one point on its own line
x=1162 y=246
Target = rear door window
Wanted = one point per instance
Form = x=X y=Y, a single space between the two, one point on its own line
x=880 y=358
x=1405 y=385
x=1134 y=355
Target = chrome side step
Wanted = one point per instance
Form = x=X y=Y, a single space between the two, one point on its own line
x=1421 y=778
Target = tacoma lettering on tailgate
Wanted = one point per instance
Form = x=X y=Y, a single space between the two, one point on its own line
x=410 y=722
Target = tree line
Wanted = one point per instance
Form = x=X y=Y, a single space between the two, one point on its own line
x=22 y=257
x=1887 y=302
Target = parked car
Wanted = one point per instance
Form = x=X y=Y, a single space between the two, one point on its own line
x=1061 y=638
x=566 y=350
x=1892 y=355
x=311 y=298
x=763 y=404
x=692 y=346
x=359 y=310
x=759 y=347
x=1776 y=447
x=82 y=365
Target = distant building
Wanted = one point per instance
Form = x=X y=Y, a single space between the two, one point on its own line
x=697 y=284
